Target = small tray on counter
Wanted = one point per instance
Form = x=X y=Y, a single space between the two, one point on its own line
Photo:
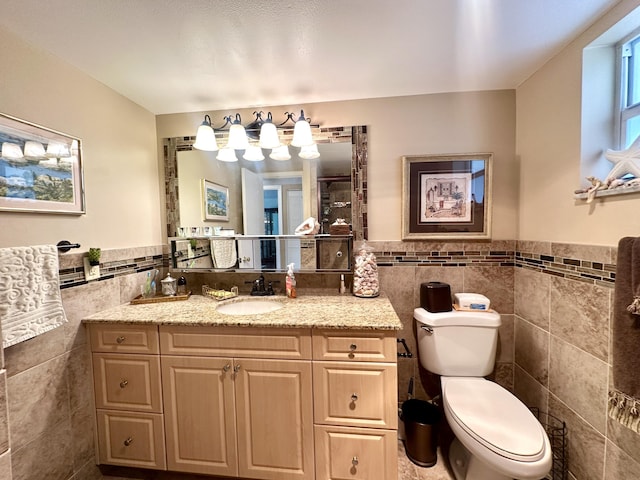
x=217 y=294
x=160 y=298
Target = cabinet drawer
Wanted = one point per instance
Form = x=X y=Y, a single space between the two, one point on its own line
x=358 y=345
x=124 y=338
x=355 y=394
x=132 y=439
x=356 y=453
x=290 y=343
x=127 y=382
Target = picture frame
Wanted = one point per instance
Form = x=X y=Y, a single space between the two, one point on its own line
x=40 y=169
x=446 y=197
x=215 y=201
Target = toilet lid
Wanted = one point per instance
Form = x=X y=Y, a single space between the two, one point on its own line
x=494 y=418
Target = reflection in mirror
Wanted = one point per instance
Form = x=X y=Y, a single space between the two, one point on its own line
x=282 y=196
x=236 y=254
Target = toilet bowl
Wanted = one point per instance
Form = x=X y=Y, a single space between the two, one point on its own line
x=497 y=436
x=503 y=438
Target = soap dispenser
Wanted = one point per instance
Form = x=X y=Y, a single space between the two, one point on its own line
x=291 y=282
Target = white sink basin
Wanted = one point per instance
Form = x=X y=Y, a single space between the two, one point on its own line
x=249 y=306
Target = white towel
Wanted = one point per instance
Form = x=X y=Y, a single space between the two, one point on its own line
x=223 y=252
x=30 y=302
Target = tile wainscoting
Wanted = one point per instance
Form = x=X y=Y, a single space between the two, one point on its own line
x=554 y=353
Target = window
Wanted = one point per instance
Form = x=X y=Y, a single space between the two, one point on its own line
x=629 y=98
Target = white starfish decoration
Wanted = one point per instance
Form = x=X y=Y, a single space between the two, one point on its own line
x=625 y=161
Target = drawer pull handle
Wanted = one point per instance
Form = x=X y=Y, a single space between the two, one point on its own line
x=236 y=369
x=226 y=368
x=354 y=461
x=124 y=383
x=128 y=442
x=354 y=397
x=120 y=339
x=353 y=347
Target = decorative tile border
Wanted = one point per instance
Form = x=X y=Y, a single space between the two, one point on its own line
x=399 y=254
x=74 y=276
x=603 y=274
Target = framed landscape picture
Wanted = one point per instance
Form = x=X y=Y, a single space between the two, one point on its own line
x=40 y=169
x=446 y=196
x=215 y=201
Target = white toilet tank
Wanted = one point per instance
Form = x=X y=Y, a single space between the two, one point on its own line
x=457 y=343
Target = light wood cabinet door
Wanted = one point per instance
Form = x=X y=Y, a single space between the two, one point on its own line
x=131 y=439
x=274 y=408
x=127 y=382
x=356 y=394
x=356 y=453
x=200 y=415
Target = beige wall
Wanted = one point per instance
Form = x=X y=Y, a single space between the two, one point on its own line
x=548 y=107
x=424 y=124
x=120 y=168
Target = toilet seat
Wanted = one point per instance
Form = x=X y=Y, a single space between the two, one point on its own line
x=495 y=418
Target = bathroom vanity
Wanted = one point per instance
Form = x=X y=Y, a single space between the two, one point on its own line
x=308 y=391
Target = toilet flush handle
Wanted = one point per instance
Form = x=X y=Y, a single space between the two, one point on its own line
x=427 y=329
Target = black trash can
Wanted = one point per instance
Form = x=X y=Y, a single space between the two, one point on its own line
x=421 y=421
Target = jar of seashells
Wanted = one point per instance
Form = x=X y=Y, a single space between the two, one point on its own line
x=365 y=273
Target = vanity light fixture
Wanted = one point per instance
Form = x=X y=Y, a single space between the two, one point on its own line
x=206 y=137
x=262 y=130
x=227 y=154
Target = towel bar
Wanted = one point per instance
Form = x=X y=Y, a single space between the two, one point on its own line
x=64 y=246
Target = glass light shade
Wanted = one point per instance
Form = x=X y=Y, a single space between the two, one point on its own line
x=309 y=152
x=301 y=133
x=227 y=154
x=205 y=139
x=11 y=151
x=237 y=137
x=253 y=154
x=280 y=153
x=33 y=150
x=58 y=150
x=269 y=136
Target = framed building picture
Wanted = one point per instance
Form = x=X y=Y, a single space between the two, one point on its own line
x=40 y=169
x=215 y=201
x=446 y=196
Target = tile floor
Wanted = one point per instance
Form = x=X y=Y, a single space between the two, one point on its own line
x=407 y=470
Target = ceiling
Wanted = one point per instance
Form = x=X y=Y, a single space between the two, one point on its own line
x=173 y=56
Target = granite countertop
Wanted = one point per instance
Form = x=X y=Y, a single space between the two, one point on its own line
x=308 y=311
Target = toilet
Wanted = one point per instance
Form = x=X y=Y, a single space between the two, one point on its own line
x=497 y=436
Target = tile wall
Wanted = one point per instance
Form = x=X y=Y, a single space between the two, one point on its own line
x=554 y=350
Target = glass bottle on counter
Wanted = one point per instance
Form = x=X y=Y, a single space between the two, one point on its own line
x=365 y=273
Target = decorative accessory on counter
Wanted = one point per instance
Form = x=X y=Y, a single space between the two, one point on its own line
x=291 y=282
x=159 y=299
x=148 y=290
x=635 y=306
x=309 y=227
x=182 y=285
x=340 y=227
x=168 y=285
x=219 y=294
x=365 y=274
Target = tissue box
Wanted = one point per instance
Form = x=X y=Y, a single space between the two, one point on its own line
x=471 y=301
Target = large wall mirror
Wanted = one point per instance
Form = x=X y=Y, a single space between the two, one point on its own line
x=269 y=197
